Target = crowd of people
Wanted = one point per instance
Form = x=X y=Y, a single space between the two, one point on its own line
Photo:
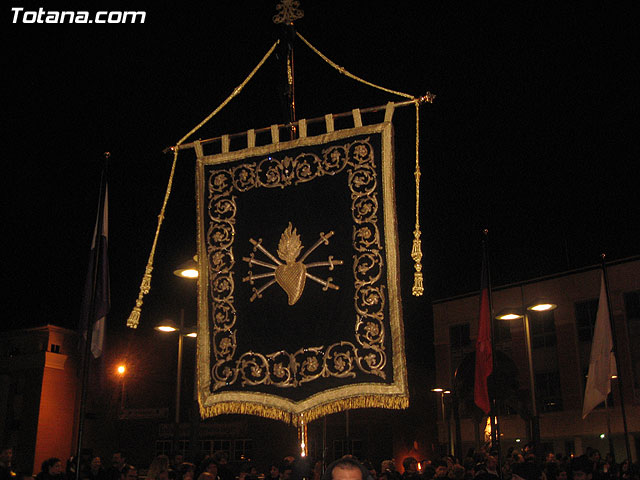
x=481 y=465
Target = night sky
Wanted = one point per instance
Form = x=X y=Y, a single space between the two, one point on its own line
x=533 y=135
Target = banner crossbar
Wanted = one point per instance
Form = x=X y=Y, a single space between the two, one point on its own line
x=427 y=98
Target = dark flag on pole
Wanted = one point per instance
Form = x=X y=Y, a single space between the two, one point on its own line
x=484 y=353
x=96 y=302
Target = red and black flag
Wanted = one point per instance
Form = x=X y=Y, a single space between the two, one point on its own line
x=484 y=350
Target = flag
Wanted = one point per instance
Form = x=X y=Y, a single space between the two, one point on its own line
x=602 y=364
x=96 y=301
x=484 y=353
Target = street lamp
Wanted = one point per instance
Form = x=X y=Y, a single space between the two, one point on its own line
x=167 y=326
x=121 y=370
x=540 y=305
x=445 y=422
x=188 y=269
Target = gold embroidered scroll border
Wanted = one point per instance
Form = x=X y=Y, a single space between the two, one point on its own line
x=282 y=368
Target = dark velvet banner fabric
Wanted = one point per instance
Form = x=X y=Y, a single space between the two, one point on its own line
x=299 y=296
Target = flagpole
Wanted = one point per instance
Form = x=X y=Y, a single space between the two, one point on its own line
x=614 y=341
x=86 y=354
x=606 y=407
x=495 y=421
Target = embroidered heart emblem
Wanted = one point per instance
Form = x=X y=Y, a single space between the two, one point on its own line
x=291 y=277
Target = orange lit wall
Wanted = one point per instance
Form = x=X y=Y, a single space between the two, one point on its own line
x=57 y=410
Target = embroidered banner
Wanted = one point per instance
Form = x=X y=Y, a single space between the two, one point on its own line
x=299 y=293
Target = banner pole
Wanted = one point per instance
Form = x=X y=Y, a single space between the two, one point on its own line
x=615 y=355
x=91 y=312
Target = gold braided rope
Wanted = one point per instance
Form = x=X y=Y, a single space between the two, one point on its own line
x=416 y=250
x=145 y=286
x=349 y=74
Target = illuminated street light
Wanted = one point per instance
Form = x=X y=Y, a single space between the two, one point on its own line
x=513 y=314
x=167 y=326
x=542 y=306
x=445 y=421
x=188 y=269
x=121 y=370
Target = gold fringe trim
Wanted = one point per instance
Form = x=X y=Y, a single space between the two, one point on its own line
x=397 y=402
x=243 y=408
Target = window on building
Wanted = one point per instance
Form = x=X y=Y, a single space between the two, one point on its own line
x=459 y=336
x=548 y=391
x=183 y=447
x=501 y=331
x=569 y=447
x=209 y=447
x=163 y=447
x=586 y=318
x=543 y=329
x=242 y=450
x=460 y=345
x=632 y=312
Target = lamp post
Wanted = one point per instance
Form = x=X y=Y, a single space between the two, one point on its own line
x=168 y=327
x=445 y=420
x=514 y=314
x=189 y=270
x=121 y=370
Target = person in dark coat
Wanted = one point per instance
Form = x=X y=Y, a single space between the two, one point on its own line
x=51 y=470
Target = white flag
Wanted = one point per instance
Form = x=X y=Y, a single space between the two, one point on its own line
x=602 y=364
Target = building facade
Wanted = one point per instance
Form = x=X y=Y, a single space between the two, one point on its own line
x=560 y=344
x=38 y=394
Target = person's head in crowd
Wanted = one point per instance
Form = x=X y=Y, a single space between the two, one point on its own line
x=387 y=466
x=441 y=468
x=410 y=465
x=274 y=471
x=370 y=468
x=186 y=471
x=346 y=468
x=457 y=472
x=118 y=459
x=580 y=468
x=287 y=471
x=96 y=464
x=159 y=468
x=209 y=465
x=6 y=455
x=206 y=476
x=52 y=466
x=480 y=467
x=562 y=473
x=129 y=472
x=594 y=455
x=221 y=458
x=492 y=463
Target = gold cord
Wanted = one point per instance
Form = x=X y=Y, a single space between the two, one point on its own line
x=145 y=285
x=348 y=74
x=235 y=92
x=416 y=251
